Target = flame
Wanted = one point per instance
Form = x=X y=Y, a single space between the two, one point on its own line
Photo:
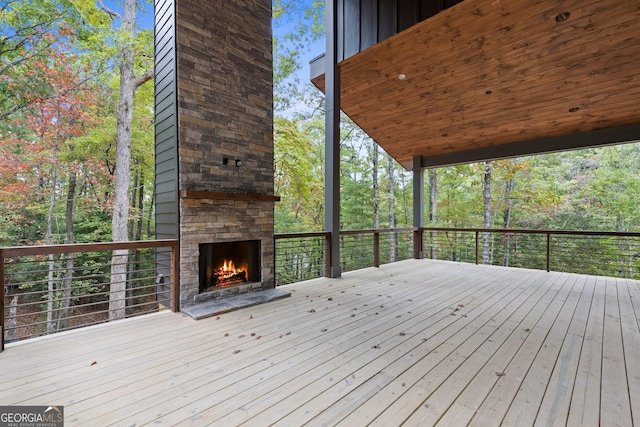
x=229 y=269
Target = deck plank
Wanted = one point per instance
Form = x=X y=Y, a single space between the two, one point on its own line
x=312 y=349
x=355 y=354
x=459 y=338
x=631 y=340
x=554 y=408
x=585 y=398
x=615 y=407
x=526 y=403
x=417 y=342
x=411 y=403
x=534 y=329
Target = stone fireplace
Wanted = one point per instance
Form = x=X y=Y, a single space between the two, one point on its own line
x=214 y=143
x=222 y=265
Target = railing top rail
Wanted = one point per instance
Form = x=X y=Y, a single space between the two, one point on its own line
x=526 y=231
x=379 y=230
x=327 y=233
x=300 y=235
x=16 y=251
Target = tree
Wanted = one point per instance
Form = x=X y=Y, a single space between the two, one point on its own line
x=54 y=121
x=486 y=223
x=294 y=176
x=130 y=62
x=376 y=190
x=392 y=212
x=30 y=31
x=433 y=209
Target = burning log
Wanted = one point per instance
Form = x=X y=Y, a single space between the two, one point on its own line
x=240 y=276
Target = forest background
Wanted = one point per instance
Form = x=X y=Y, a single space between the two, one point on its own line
x=65 y=68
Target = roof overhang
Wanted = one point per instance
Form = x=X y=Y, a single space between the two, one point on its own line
x=493 y=79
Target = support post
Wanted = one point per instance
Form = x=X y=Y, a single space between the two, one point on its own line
x=175 y=272
x=376 y=248
x=326 y=243
x=548 y=252
x=332 y=137
x=418 y=206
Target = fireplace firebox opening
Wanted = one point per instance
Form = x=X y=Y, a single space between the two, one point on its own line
x=228 y=263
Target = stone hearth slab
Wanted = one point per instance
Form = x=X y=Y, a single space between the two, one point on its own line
x=213 y=308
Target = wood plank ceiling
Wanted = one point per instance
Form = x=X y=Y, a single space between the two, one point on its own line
x=490 y=73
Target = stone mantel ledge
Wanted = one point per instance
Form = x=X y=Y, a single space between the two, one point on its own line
x=217 y=195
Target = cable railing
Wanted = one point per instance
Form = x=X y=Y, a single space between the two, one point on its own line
x=304 y=256
x=49 y=289
x=615 y=254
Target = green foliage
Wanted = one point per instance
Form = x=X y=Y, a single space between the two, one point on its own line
x=298 y=177
x=37 y=36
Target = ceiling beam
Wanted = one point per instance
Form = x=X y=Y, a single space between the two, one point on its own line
x=595 y=138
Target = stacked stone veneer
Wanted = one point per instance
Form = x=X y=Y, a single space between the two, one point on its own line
x=225 y=110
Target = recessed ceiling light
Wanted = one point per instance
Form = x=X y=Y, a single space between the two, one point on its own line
x=562 y=16
x=402 y=76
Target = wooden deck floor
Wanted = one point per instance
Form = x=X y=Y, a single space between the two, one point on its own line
x=414 y=343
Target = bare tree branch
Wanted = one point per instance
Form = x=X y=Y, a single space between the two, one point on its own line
x=148 y=75
x=112 y=13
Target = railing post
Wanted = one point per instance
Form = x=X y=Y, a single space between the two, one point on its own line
x=548 y=252
x=327 y=254
x=175 y=272
x=418 y=248
x=1 y=301
x=376 y=248
x=477 y=233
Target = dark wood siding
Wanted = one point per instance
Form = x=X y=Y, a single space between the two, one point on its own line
x=363 y=23
x=369 y=18
x=166 y=132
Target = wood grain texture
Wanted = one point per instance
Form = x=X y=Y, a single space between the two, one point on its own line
x=217 y=195
x=483 y=74
x=417 y=342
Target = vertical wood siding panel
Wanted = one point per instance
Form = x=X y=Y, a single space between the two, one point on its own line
x=386 y=19
x=407 y=15
x=351 y=27
x=166 y=123
x=428 y=8
x=369 y=23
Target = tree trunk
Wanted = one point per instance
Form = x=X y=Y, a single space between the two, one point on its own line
x=506 y=218
x=376 y=194
x=138 y=235
x=51 y=327
x=131 y=230
x=12 y=323
x=433 y=207
x=487 y=211
x=392 y=212
x=70 y=238
x=119 y=225
x=120 y=220
x=150 y=213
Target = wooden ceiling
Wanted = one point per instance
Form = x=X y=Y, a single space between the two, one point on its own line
x=487 y=74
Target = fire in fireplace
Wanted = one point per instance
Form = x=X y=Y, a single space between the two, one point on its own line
x=228 y=263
